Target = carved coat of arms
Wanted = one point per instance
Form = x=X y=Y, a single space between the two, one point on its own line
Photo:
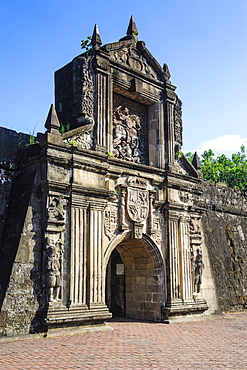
x=137 y=204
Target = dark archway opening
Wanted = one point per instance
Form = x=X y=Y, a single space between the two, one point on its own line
x=115 y=285
x=135 y=281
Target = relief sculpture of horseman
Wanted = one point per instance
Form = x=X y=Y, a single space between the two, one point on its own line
x=126 y=141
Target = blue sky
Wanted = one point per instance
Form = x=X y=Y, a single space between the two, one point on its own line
x=204 y=43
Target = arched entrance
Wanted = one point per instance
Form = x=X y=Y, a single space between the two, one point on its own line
x=135 y=281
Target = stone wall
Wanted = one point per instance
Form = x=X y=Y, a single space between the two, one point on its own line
x=225 y=230
x=10 y=141
x=20 y=255
x=21 y=227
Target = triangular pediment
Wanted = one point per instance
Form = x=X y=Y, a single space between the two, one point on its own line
x=135 y=56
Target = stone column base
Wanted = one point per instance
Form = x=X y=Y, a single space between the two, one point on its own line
x=178 y=309
x=62 y=316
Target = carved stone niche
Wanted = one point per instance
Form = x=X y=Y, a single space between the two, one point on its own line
x=129 y=130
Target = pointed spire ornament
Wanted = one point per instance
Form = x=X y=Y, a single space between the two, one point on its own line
x=132 y=29
x=52 y=122
x=96 y=39
x=196 y=162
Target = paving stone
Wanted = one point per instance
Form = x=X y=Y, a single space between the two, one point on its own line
x=219 y=343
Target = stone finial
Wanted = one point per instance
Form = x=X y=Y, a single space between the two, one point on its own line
x=196 y=162
x=167 y=72
x=52 y=122
x=96 y=39
x=132 y=29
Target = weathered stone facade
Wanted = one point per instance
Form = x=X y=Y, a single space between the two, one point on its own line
x=106 y=217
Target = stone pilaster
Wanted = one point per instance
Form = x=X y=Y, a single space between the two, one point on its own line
x=160 y=130
x=96 y=295
x=174 y=257
x=122 y=208
x=78 y=255
x=101 y=112
x=186 y=280
x=170 y=134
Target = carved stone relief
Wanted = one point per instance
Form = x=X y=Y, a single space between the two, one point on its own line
x=129 y=130
x=195 y=228
x=131 y=57
x=180 y=168
x=184 y=196
x=196 y=255
x=137 y=204
x=82 y=140
x=158 y=227
x=178 y=128
x=53 y=268
x=87 y=100
x=137 y=200
x=198 y=271
x=111 y=221
x=56 y=209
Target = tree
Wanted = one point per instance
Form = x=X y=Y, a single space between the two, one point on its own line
x=232 y=172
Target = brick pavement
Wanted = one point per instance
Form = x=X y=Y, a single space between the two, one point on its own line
x=219 y=343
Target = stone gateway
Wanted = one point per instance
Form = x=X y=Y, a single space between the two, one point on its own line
x=104 y=215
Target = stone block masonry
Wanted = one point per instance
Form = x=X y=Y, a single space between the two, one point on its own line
x=103 y=216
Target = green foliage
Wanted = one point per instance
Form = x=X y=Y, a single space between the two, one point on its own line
x=179 y=154
x=229 y=171
x=86 y=44
x=31 y=139
x=64 y=128
x=110 y=155
x=73 y=142
x=189 y=156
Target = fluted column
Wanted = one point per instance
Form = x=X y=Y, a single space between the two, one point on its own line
x=95 y=266
x=186 y=274
x=174 y=257
x=78 y=255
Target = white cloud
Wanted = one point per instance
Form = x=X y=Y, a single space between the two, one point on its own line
x=225 y=144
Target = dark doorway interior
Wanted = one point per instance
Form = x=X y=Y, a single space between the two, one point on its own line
x=115 y=285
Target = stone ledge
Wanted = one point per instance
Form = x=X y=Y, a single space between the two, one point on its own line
x=58 y=332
